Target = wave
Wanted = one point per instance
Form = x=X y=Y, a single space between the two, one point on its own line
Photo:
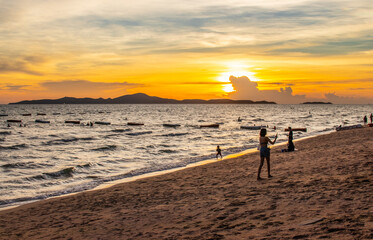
x=308 y=116
x=67 y=140
x=174 y=134
x=139 y=133
x=106 y=148
x=64 y=173
x=121 y=130
x=14 y=147
x=88 y=165
x=22 y=165
x=168 y=151
x=258 y=120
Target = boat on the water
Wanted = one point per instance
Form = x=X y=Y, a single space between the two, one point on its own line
x=42 y=121
x=135 y=124
x=102 y=123
x=296 y=129
x=171 y=125
x=340 y=128
x=72 y=121
x=14 y=120
x=41 y=114
x=209 y=126
x=26 y=114
x=252 y=127
x=3 y=115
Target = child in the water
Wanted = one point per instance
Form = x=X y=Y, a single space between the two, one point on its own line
x=218 y=152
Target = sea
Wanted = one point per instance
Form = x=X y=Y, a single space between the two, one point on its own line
x=49 y=157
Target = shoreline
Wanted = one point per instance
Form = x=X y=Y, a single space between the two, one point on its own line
x=109 y=184
x=323 y=190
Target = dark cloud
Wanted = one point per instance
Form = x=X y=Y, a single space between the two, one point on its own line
x=11 y=87
x=340 y=47
x=21 y=64
x=17 y=66
x=332 y=97
x=84 y=87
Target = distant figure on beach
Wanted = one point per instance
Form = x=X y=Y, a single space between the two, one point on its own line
x=365 y=119
x=218 y=152
x=265 y=151
x=291 y=146
x=239 y=119
x=371 y=118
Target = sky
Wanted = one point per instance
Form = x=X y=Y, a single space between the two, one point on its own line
x=287 y=51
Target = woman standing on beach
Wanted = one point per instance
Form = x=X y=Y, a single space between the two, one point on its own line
x=265 y=151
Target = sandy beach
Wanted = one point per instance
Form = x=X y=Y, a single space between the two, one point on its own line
x=321 y=191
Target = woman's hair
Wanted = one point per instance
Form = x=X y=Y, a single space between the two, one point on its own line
x=263 y=132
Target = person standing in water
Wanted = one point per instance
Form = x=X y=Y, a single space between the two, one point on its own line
x=218 y=152
x=265 y=151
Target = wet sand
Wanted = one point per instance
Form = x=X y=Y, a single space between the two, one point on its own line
x=322 y=191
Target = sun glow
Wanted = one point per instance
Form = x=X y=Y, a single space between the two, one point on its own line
x=237 y=69
x=228 y=88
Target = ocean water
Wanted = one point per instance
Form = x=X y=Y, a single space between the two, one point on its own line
x=41 y=160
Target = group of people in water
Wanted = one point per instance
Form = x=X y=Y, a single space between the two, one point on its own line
x=265 y=151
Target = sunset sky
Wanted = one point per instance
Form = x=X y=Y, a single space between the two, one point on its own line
x=287 y=51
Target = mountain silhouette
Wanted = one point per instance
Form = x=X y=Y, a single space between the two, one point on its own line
x=138 y=98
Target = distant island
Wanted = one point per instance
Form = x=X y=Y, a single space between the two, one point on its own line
x=317 y=103
x=138 y=98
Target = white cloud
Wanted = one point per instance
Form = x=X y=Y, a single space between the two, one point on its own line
x=247 y=89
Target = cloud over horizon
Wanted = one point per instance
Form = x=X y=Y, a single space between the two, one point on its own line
x=247 y=89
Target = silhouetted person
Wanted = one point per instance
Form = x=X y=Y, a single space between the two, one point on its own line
x=265 y=151
x=365 y=119
x=291 y=146
x=218 y=152
x=371 y=118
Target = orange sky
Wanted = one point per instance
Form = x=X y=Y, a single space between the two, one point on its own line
x=290 y=52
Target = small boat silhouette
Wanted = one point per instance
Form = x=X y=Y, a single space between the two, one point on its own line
x=42 y=121
x=135 y=124
x=72 y=121
x=14 y=120
x=171 y=125
x=102 y=123
x=209 y=126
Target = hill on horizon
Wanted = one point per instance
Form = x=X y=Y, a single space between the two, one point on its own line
x=138 y=98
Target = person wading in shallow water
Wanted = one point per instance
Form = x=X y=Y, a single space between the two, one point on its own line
x=265 y=151
x=218 y=152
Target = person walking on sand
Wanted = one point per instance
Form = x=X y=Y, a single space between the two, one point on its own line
x=365 y=120
x=371 y=118
x=218 y=152
x=265 y=151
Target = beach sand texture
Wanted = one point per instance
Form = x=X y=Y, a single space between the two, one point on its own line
x=322 y=191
